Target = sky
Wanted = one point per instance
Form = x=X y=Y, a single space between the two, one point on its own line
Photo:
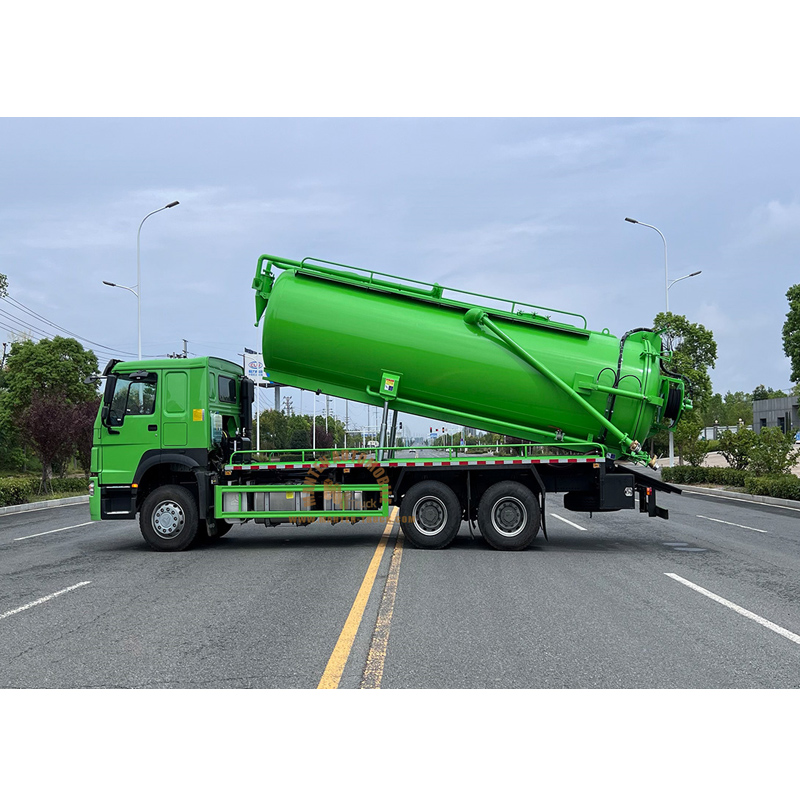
x=530 y=209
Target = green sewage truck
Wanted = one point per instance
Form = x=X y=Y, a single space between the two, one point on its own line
x=173 y=445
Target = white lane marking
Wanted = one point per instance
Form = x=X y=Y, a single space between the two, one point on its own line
x=57 y=530
x=44 y=599
x=741 y=500
x=574 y=525
x=725 y=522
x=738 y=609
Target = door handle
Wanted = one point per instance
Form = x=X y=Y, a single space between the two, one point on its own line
x=152 y=427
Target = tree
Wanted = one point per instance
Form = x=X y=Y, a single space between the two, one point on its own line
x=52 y=368
x=275 y=434
x=694 y=352
x=762 y=392
x=49 y=421
x=324 y=438
x=791 y=331
x=84 y=415
x=729 y=410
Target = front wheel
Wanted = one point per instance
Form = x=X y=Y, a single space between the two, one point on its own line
x=430 y=515
x=168 y=519
x=509 y=516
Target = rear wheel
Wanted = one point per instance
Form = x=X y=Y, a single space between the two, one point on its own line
x=168 y=519
x=430 y=515
x=509 y=516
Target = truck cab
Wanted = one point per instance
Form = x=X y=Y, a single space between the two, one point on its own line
x=164 y=427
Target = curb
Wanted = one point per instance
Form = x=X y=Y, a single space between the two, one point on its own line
x=751 y=498
x=63 y=501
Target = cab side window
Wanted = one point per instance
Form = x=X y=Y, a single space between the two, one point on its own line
x=227 y=389
x=133 y=395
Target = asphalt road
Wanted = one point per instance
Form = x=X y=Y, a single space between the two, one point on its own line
x=707 y=599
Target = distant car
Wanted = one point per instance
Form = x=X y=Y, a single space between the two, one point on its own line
x=797 y=437
x=412 y=453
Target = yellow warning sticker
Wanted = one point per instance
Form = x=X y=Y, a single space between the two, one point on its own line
x=198 y=414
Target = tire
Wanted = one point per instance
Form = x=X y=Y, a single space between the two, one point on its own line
x=168 y=518
x=509 y=516
x=430 y=515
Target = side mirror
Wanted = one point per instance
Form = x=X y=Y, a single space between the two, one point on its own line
x=108 y=396
x=247 y=393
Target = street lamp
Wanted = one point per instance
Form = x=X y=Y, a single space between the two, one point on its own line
x=139 y=274
x=120 y=286
x=135 y=294
x=666 y=279
x=690 y=275
x=667 y=285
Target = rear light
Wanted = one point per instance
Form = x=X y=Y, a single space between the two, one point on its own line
x=91 y=488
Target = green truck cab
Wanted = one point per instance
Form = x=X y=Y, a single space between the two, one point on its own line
x=163 y=431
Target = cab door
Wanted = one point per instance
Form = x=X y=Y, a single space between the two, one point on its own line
x=131 y=427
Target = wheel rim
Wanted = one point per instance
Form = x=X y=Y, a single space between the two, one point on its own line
x=168 y=519
x=509 y=516
x=430 y=515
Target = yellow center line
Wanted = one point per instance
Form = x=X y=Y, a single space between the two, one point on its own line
x=336 y=663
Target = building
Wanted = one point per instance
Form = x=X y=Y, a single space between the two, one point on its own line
x=776 y=412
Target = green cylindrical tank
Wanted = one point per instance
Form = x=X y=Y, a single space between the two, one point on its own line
x=453 y=356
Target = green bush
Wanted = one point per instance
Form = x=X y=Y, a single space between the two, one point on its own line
x=785 y=486
x=15 y=491
x=687 y=474
x=67 y=485
x=737 y=447
x=696 y=451
x=773 y=452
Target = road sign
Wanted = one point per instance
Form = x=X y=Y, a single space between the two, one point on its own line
x=254 y=369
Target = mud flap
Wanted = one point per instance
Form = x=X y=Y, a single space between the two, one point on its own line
x=542 y=495
x=647 y=503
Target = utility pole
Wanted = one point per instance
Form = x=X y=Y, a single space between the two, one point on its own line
x=185 y=353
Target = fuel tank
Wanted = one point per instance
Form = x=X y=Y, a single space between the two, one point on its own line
x=473 y=360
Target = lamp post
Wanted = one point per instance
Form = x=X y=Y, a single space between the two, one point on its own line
x=136 y=295
x=667 y=286
x=139 y=273
x=666 y=278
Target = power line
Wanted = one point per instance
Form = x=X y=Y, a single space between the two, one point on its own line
x=24 y=309
x=44 y=319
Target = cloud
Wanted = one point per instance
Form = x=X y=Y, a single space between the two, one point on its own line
x=573 y=148
x=771 y=222
x=485 y=240
x=203 y=211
